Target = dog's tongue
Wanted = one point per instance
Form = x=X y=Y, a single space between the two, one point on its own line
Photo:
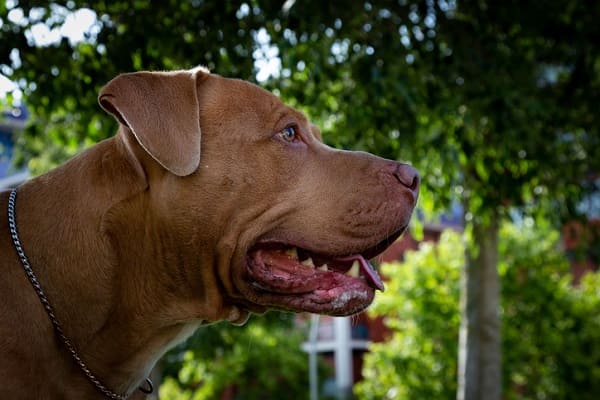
x=366 y=267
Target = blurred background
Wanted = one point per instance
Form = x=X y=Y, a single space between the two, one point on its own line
x=495 y=291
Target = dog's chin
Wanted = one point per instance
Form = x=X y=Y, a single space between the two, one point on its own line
x=288 y=277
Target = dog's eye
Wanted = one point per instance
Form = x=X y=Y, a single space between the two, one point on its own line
x=288 y=134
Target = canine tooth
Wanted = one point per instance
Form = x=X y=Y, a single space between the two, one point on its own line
x=292 y=253
x=354 y=271
x=308 y=263
x=323 y=267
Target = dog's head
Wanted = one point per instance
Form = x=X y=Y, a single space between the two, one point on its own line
x=276 y=218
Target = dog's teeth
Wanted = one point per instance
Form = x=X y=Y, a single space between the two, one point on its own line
x=323 y=267
x=292 y=253
x=308 y=263
x=354 y=271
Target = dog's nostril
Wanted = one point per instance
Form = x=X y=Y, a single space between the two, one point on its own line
x=407 y=176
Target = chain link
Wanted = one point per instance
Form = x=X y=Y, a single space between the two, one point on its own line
x=44 y=300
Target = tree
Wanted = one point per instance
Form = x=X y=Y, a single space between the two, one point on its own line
x=550 y=339
x=493 y=101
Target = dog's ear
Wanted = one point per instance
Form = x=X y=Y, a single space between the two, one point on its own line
x=162 y=111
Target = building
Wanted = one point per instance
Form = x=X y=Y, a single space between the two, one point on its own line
x=581 y=238
x=12 y=120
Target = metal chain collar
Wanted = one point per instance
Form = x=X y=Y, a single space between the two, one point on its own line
x=44 y=300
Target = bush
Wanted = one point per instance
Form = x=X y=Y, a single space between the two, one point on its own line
x=551 y=330
x=420 y=306
x=263 y=358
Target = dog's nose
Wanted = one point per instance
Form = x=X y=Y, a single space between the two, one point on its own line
x=407 y=176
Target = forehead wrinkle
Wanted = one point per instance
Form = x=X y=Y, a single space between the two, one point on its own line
x=287 y=111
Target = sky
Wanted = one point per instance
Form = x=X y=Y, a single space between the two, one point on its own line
x=76 y=24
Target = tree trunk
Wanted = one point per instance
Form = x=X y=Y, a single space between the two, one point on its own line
x=479 y=355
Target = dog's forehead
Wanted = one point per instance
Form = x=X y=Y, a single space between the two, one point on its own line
x=232 y=95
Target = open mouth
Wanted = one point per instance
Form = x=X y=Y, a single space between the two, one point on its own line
x=297 y=279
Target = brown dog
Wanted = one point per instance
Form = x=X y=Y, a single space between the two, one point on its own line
x=214 y=200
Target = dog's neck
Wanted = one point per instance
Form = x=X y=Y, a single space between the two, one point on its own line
x=121 y=309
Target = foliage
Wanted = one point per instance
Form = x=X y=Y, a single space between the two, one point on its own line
x=473 y=93
x=551 y=330
x=264 y=358
x=420 y=307
x=494 y=101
